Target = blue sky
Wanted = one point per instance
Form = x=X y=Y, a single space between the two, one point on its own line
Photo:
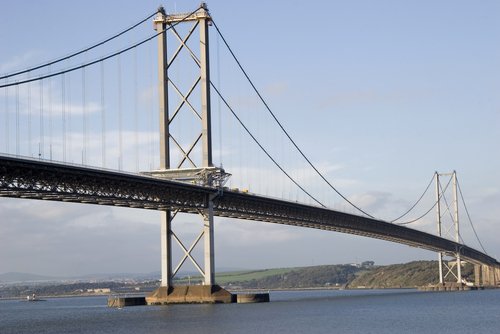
x=379 y=94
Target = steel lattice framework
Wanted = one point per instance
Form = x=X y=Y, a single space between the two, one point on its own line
x=37 y=179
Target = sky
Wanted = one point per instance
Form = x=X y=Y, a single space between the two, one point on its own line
x=379 y=95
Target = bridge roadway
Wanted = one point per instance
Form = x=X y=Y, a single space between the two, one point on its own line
x=43 y=180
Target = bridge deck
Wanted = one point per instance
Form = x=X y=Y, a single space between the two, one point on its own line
x=37 y=179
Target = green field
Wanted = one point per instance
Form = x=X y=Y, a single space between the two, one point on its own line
x=241 y=276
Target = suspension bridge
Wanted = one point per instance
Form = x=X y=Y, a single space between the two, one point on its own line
x=51 y=153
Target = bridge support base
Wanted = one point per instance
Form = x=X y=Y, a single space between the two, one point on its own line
x=490 y=275
x=449 y=286
x=201 y=294
x=190 y=294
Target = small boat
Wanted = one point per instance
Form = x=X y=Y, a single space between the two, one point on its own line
x=33 y=298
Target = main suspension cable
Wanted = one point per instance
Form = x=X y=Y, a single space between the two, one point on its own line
x=100 y=59
x=470 y=220
x=78 y=52
x=416 y=203
x=262 y=147
x=282 y=127
x=427 y=212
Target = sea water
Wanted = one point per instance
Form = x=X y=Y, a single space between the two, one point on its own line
x=316 y=311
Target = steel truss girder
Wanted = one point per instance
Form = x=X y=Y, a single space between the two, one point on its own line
x=36 y=179
x=86 y=185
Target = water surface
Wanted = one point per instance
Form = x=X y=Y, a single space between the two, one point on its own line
x=320 y=311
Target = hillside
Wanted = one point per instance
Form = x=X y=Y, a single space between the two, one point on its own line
x=302 y=277
x=408 y=275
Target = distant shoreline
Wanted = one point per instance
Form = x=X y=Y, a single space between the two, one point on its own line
x=22 y=299
x=365 y=276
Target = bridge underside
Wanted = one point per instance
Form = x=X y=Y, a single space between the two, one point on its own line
x=36 y=179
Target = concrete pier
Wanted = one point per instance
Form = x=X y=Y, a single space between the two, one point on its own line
x=117 y=301
x=449 y=286
x=489 y=276
x=246 y=298
x=190 y=294
x=201 y=294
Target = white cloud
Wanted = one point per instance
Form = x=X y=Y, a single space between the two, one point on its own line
x=148 y=94
x=18 y=63
x=72 y=239
x=243 y=102
x=254 y=234
x=33 y=100
x=276 y=88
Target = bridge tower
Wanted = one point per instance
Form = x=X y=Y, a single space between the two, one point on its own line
x=201 y=170
x=453 y=266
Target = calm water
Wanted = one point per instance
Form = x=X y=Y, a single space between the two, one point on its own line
x=370 y=311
